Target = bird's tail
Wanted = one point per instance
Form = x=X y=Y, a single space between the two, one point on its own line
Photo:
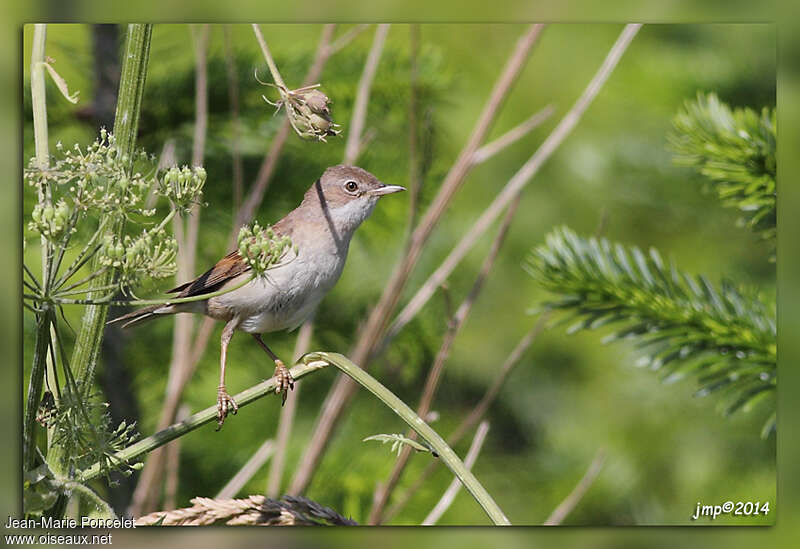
x=143 y=314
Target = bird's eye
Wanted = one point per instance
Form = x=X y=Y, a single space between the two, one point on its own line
x=351 y=186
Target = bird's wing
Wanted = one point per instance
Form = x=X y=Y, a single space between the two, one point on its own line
x=227 y=268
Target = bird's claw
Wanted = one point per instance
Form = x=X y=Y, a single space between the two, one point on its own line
x=285 y=380
x=225 y=405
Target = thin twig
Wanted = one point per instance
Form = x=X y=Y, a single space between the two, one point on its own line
x=145 y=495
x=286 y=421
x=414 y=164
x=346 y=38
x=200 y=129
x=383 y=492
x=450 y=494
x=515 y=185
x=248 y=470
x=512 y=136
x=565 y=507
x=343 y=390
x=173 y=462
x=233 y=100
x=475 y=415
x=353 y=146
x=273 y=68
x=256 y=194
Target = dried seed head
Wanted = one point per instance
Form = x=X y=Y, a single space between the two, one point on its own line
x=308 y=111
x=316 y=100
x=320 y=124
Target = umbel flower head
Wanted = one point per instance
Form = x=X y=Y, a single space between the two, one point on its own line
x=97 y=179
x=308 y=111
x=261 y=248
x=50 y=221
x=183 y=186
x=148 y=255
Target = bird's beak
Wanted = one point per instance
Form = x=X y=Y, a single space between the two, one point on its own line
x=386 y=189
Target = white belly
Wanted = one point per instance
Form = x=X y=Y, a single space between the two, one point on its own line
x=284 y=296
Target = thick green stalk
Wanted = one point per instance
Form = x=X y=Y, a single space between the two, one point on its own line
x=126 y=121
x=131 y=86
x=308 y=364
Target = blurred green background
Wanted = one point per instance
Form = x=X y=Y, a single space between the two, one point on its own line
x=665 y=450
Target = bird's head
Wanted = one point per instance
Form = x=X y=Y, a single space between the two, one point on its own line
x=346 y=196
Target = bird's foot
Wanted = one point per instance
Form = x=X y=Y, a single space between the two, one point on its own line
x=225 y=405
x=285 y=380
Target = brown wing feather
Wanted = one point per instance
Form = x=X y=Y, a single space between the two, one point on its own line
x=230 y=266
x=227 y=268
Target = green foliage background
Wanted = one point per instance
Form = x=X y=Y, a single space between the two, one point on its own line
x=666 y=450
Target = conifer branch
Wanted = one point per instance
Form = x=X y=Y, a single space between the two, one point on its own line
x=723 y=336
x=735 y=149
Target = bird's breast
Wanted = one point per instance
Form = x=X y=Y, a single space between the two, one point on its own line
x=284 y=296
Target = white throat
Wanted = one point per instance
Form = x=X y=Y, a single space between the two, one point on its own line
x=349 y=216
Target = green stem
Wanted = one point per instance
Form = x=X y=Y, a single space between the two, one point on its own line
x=61 y=247
x=126 y=121
x=310 y=363
x=430 y=436
x=38 y=96
x=83 y=256
x=65 y=290
x=190 y=424
x=102 y=506
x=143 y=302
x=31 y=276
x=40 y=355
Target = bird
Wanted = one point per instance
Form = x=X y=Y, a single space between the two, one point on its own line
x=285 y=295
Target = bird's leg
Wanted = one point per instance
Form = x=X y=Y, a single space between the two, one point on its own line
x=285 y=379
x=225 y=403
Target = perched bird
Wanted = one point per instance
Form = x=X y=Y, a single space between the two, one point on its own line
x=320 y=229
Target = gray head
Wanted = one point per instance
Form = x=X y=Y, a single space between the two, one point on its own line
x=346 y=196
